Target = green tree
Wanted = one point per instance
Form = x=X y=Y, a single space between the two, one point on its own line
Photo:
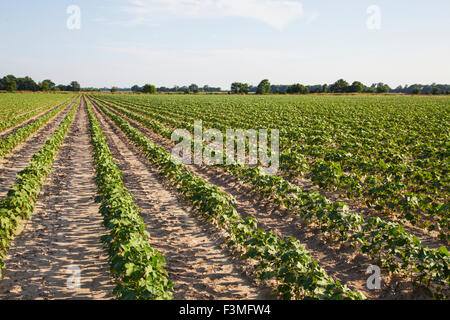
x=297 y=89
x=114 y=89
x=382 y=88
x=136 y=88
x=239 y=88
x=357 y=87
x=435 y=90
x=416 y=90
x=46 y=85
x=193 y=87
x=27 y=84
x=339 y=86
x=263 y=87
x=74 y=86
x=325 y=88
x=10 y=85
x=149 y=88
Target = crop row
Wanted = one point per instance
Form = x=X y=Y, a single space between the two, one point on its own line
x=11 y=122
x=12 y=104
x=285 y=260
x=14 y=139
x=386 y=242
x=137 y=267
x=21 y=198
x=327 y=148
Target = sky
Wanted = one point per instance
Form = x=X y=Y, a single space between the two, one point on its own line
x=217 y=42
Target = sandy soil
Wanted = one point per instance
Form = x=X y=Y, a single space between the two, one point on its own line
x=340 y=262
x=197 y=263
x=64 y=233
x=19 y=158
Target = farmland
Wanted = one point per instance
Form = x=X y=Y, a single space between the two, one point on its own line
x=88 y=183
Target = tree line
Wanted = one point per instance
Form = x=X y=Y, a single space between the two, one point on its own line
x=193 y=88
x=340 y=86
x=11 y=83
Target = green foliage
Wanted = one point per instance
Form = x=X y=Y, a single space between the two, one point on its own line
x=339 y=86
x=357 y=87
x=21 y=198
x=239 y=88
x=284 y=260
x=297 y=89
x=263 y=87
x=138 y=268
x=74 y=86
x=149 y=88
x=46 y=85
x=416 y=90
x=16 y=109
x=369 y=165
x=11 y=141
x=382 y=88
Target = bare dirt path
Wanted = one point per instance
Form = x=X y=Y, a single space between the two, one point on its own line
x=19 y=158
x=340 y=262
x=64 y=233
x=197 y=262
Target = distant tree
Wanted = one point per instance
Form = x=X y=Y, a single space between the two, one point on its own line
x=416 y=90
x=297 y=89
x=263 y=87
x=435 y=90
x=10 y=85
x=196 y=91
x=114 y=89
x=62 y=87
x=149 y=88
x=399 y=89
x=325 y=88
x=74 y=86
x=187 y=91
x=46 y=85
x=339 y=86
x=27 y=84
x=357 y=87
x=136 y=88
x=193 y=87
x=382 y=88
x=239 y=88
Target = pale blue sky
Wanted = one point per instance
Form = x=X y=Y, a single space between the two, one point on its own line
x=216 y=42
